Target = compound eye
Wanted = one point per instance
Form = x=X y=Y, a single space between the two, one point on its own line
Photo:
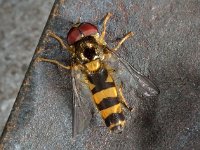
x=89 y=53
x=73 y=35
x=88 y=29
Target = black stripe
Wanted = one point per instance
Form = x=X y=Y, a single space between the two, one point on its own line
x=98 y=77
x=99 y=87
x=107 y=102
x=114 y=118
x=99 y=80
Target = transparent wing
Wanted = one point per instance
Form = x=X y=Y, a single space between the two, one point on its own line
x=130 y=77
x=82 y=108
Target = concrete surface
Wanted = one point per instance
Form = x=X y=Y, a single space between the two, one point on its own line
x=166 y=47
x=21 y=25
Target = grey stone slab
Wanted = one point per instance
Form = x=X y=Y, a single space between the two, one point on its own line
x=21 y=25
x=165 y=48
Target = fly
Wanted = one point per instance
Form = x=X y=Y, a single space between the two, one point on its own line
x=96 y=62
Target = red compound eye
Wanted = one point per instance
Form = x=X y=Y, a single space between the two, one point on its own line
x=73 y=35
x=88 y=29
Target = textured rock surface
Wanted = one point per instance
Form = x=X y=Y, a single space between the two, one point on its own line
x=166 y=47
x=21 y=25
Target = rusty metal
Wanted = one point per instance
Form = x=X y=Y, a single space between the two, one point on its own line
x=165 y=47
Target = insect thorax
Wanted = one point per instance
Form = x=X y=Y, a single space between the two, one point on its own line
x=89 y=53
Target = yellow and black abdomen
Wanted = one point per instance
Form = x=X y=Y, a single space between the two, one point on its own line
x=106 y=99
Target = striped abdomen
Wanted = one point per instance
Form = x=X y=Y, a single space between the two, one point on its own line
x=106 y=99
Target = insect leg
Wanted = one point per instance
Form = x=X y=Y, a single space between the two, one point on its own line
x=54 y=62
x=65 y=46
x=119 y=89
x=108 y=15
x=123 y=100
x=129 y=34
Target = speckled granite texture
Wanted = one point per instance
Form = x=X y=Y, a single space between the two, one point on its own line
x=21 y=25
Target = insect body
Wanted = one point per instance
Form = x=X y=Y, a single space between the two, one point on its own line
x=90 y=54
x=92 y=57
x=106 y=99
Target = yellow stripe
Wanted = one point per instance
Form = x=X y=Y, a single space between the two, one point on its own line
x=109 y=79
x=93 y=65
x=119 y=123
x=91 y=86
x=114 y=109
x=109 y=92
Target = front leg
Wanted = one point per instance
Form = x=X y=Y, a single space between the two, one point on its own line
x=62 y=43
x=128 y=35
x=39 y=59
x=102 y=36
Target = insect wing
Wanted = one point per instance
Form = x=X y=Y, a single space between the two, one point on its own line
x=81 y=104
x=128 y=75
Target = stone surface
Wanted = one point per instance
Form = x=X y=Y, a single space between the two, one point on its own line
x=21 y=25
x=165 y=47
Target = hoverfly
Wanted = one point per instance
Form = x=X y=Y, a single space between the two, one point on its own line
x=102 y=72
